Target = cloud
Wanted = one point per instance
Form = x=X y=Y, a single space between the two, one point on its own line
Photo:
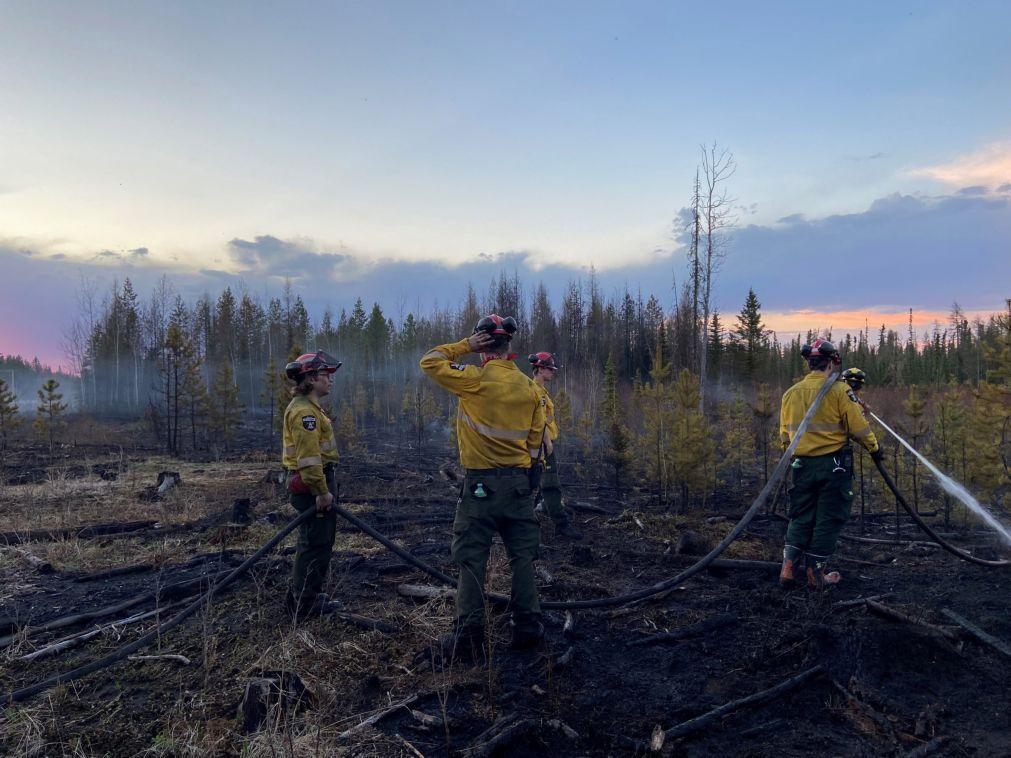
x=138 y=253
x=989 y=166
x=972 y=191
x=862 y=158
x=269 y=256
x=1006 y=187
x=902 y=251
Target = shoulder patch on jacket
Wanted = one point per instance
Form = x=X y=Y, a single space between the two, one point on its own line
x=309 y=423
x=852 y=395
x=458 y=366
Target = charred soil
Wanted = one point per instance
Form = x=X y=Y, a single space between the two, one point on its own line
x=885 y=687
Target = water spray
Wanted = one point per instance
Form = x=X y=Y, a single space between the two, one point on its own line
x=952 y=487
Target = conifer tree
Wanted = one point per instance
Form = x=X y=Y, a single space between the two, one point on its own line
x=419 y=408
x=194 y=394
x=563 y=410
x=274 y=392
x=751 y=334
x=226 y=408
x=9 y=419
x=346 y=432
x=616 y=452
x=692 y=453
x=657 y=415
x=915 y=407
x=737 y=451
x=990 y=439
x=949 y=435
x=48 y=421
x=763 y=411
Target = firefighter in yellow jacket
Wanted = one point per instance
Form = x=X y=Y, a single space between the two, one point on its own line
x=545 y=368
x=500 y=427
x=310 y=458
x=822 y=466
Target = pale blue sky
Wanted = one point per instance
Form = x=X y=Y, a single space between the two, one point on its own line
x=440 y=131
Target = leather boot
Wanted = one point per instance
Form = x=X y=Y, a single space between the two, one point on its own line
x=817 y=577
x=792 y=567
x=528 y=631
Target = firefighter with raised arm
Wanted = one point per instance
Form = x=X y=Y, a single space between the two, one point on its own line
x=822 y=491
x=500 y=428
x=545 y=368
x=310 y=459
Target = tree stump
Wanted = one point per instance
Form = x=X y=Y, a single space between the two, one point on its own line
x=272 y=695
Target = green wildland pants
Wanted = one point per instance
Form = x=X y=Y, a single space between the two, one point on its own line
x=551 y=489
x=495 y=500
x=315 y=545
x=820 y=501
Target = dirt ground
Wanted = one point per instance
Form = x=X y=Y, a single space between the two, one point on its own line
x=886 y=687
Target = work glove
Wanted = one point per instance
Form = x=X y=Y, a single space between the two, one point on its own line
x=536 y=469
x=878 y=455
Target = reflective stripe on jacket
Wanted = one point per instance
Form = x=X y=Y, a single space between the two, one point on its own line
x=500 y=416
x=838 y=418
x=307 y=437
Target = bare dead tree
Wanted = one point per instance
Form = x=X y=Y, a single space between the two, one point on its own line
x=716 y=218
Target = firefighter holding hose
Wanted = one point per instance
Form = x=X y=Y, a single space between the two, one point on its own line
x=545 y=368
x=822 y=466
x=500 y=428
x=310 y=458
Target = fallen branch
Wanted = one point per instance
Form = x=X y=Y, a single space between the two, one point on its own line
x=138 y=568
x=163 y=657
x=364 y=622
x=859 y=601
x=928 y=748
x=692 y=630
x=588 y=507
x=425 y=591
x=74 y=640
x=168 y=591
x=699 y=722
x=94 y=530
x=987 y=639
x=511 y=732
x=890 y=613
x=377 y=717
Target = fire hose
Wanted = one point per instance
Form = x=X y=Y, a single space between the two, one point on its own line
x=773 y=482
x=123 y=652
x=141 y=642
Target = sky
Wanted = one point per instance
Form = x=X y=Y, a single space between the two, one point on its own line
x=395 y=150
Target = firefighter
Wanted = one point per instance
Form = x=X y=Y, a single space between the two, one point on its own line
x=310 y=459
x=856 y=379
x=551 y=486
x=822 y=491
x=500 y=428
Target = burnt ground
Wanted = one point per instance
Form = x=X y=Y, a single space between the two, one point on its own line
x=889 y=687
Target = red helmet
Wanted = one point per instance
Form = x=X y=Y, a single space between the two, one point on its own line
x=310 y=363
x=543 y=360
x=821 y=349
x=497 y=326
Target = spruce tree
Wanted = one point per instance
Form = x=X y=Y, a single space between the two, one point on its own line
x=763 y=411
x=692 y=452
x=226 y=408
x=915 y=407
x=737 y=448
x=751 y=334
x=616 y=453
x=419 y=408
x=949 y=435
x=655 y=406
x=9 y=418
x=48 y=421
x=274 y=392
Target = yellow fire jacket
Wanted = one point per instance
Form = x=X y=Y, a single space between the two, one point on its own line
x=308 y=442
x=837 y=419
x=550 y=423
x=500 y=416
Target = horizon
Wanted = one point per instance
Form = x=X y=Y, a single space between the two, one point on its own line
x=397 y=152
